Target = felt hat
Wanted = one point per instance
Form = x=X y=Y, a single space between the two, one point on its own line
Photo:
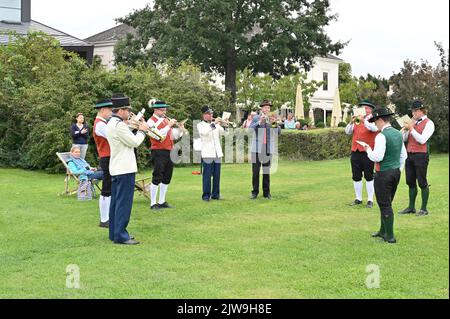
x=265 y=102
x=207 y=109
x=157 y=104
x=367 y=103
x=103 y=103
x=120 y=101
x=380 y=112
x=417 y=105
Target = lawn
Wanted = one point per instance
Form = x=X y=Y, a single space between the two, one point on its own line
x=305 y=243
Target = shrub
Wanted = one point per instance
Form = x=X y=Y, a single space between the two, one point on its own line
x=320 y=125
x=342 y=124
x=314 y=145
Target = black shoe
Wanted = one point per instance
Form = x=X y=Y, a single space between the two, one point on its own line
x=165 y=205
x=268 y=197
x=369 y=204
x=379 y=235
x=253 y=196
x=155 y=207
x=206 y=199
x=391 y=241
x=356 y=202
x=131 y=237
x=422 y=213
x=215 y=198
x=104 y=225
x=407 y=211
x=128 y=242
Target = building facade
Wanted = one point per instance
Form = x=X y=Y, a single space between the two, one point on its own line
x=15 y=16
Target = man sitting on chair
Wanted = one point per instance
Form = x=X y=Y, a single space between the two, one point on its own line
x=79 y=166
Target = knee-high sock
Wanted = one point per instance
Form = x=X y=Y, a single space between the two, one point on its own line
x=104 y=203
x=358 y=189
x=153 y=192
x=162 y=193
x=389 y=226
x=425 y=195
x=370 y=190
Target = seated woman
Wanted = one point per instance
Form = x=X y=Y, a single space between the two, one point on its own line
x=290 y=124
x=79 y=166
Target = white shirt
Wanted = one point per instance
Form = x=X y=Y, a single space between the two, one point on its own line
x=100 y=128
x=211 y=144
x=176 y=132
x=122 y=143
x=370 y=126
x=426 y=134
x=377 y=155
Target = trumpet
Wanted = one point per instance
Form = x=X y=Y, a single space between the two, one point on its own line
x=267 y=118
x=178 y=124
x=225 y=123
x=133 y=124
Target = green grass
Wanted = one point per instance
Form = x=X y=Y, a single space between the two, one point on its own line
x=306 y=243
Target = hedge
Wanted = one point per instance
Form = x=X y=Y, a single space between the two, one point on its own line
x=316 y=145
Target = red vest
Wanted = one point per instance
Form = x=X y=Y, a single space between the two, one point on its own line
x=413 y=145
x=101 y=142
x=167 y=144
x=361 y=133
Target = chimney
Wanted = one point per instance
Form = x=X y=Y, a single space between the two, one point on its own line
x=26 y=10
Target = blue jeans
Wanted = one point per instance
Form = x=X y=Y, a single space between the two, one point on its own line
x=211 y=168
x=122 y=193
x=97 y=175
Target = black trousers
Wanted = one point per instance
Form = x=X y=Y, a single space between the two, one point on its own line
x=416 y=167
x=385 y=188
x=106 y=183
x=162 y=167
x=259 y=160
x=361 y=164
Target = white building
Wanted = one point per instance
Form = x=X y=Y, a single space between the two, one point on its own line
x=326 y=69
x=104 y=43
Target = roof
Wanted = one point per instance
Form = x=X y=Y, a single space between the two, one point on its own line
x=24 y=28
x=333 y=57
x=114 y=34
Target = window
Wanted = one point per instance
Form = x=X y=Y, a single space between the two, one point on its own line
x=10 y=10
x=325 y=81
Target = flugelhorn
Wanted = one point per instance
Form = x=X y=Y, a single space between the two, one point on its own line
x=133 y=124
x=225 y=123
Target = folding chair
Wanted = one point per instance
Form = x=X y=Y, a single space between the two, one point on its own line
x=140 y=186
x=68 y=190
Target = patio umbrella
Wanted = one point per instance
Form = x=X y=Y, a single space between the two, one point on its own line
x=336 y=114
x=299 y=109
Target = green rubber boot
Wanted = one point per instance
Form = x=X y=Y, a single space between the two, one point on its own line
x=382 y=232
x=389 y=225
x=412 y=198
x=425 y=196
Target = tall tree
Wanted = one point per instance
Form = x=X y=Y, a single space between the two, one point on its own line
x=269 y=36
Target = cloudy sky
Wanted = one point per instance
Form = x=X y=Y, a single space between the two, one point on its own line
x=382 y=33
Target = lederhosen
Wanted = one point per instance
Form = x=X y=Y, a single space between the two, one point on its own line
x=161 y=161
x=104 y=153
x=416 y=165
x=359 y=161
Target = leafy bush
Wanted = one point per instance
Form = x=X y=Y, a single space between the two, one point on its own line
x=320 y=125
x=44 y=87
x=342 y=124
x=314 y=145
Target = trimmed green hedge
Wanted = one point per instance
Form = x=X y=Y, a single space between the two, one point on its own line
x=316 y=145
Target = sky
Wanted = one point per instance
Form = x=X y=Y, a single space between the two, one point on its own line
x=382 y=33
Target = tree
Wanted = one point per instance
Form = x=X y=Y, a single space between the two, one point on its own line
x=421 y=80
x=268 y=36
